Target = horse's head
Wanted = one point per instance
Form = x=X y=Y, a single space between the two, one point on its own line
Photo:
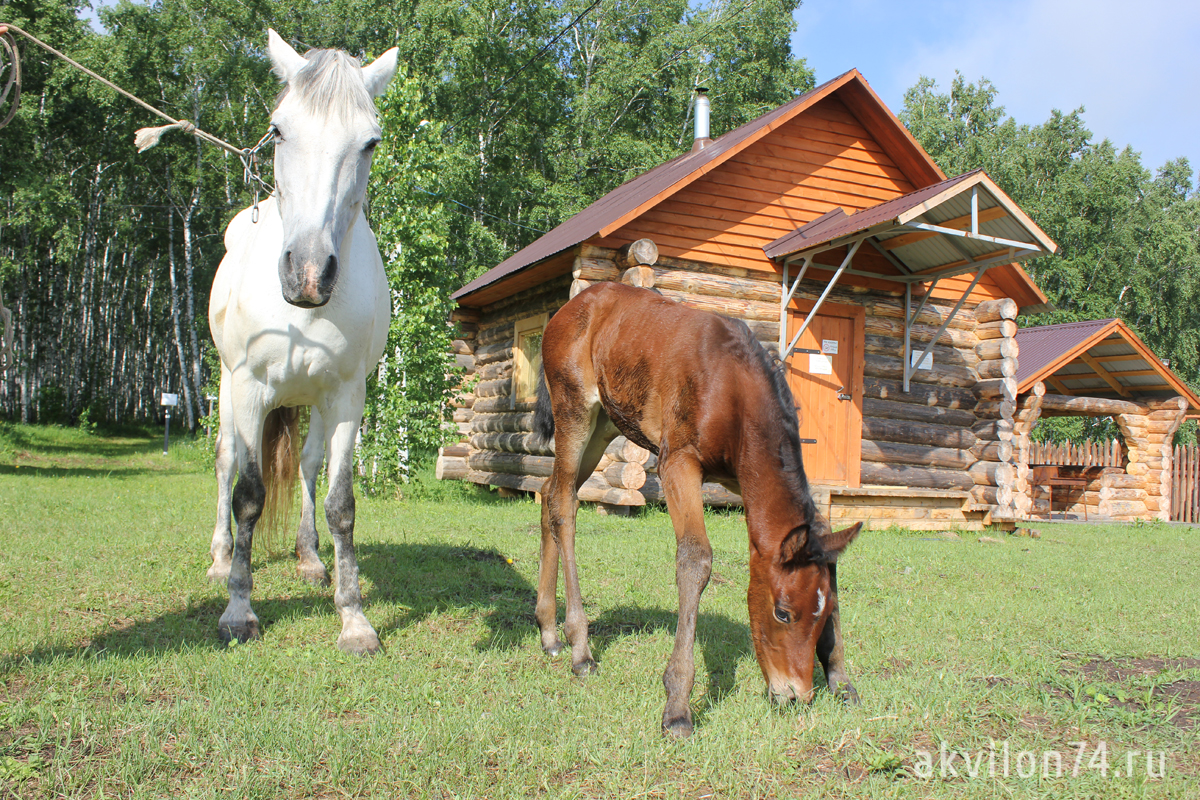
x=325 y=133
x=792 y=594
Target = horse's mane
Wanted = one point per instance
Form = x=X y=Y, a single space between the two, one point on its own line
x=785 y=422
x=330 y=84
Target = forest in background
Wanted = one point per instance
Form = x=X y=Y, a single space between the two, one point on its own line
x=506 y=119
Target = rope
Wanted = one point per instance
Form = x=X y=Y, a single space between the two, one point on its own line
x=144 y=138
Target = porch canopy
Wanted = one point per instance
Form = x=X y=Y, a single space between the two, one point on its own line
x=962 y=225
x=1098 y=358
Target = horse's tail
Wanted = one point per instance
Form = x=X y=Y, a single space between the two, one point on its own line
x=281 y=472
x=543 y=414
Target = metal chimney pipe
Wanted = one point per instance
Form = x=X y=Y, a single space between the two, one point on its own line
x=701 y=119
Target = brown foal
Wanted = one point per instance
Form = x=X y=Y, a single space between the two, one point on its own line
x=698 y=390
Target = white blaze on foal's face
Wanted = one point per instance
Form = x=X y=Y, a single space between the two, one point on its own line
x=325 y=133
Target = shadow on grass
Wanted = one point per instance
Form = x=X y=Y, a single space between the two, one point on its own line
x=53 y=440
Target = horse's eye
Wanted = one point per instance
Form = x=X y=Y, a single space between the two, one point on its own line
x=278 y=134
x=783 y=616
x=370 y=148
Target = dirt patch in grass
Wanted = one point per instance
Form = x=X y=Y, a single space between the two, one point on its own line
x=1181 y=697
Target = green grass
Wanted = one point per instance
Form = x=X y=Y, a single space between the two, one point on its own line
x=113 y=683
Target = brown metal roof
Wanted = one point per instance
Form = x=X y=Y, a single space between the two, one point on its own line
x=1093 y=358
x=633 y=197
x=838 y=223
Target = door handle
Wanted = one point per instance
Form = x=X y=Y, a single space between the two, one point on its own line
x=843 y=396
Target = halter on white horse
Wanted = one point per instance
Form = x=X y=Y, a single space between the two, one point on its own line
x=299 y=312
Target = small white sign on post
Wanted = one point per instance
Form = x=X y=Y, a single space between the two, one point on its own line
x=169 y=399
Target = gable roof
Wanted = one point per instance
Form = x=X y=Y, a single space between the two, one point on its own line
x=1096 y=358
x=634 y=197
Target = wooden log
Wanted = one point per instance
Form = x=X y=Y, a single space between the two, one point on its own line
x=997 y=329
x=995 y=430
x=986 y=494
x=995 y=388
x=578 y=286
x=642 y=277
x=462 y=415
x=915 y=477
x=1089 y=406
x=997 y=368
x=930 y=315
x=995 y=409
x=920 y=334
x=463 y=401
x=639 y=253
x=523 y=483
x=450 y=469
x=491 y=353
x=496 y=370
x=994 y=310
x=621 y=449
x=894 y=409
x=625 y=475
x=997 y=348
x=917 y=455
x=993 y=451
x=700 y=283
x=503 y=422
x=595 y=269
x=1128 y=508
x=512 y=443
x=459 y=450
x=889 y=346
x=878 y=429
x=713 y=494
x=919 y=393
x=501 y=387
x=991 y=473
x=595 y=490
x=879 y=366
x=595 y=251
x=729 y=307
x=511 y=463
x=461 y=348
x=487 y=405
x=466 y=363
x=464 y=314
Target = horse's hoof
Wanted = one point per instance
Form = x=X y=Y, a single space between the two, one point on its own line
x=364 y=643
x=586 y=667
x=553 y=650
x=240 y=633
x=846 y=693
x=219 y=573
x=313 y=572
x=677 y=728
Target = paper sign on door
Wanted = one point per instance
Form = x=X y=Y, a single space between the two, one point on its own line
x=820 y=364
x=829 y=346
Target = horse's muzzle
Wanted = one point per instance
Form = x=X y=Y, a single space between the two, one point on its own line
x=304 y=283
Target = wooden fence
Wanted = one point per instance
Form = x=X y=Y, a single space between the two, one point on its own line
x=1089 y=454
x=1185 y=484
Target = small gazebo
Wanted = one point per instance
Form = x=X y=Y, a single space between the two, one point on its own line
x=1100 y=368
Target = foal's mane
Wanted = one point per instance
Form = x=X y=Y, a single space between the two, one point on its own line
x=330 y=84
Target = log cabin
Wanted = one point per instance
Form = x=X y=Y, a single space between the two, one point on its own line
x=888 y=291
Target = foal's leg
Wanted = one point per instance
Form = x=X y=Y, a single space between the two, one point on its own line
x=226 y=464
x=342 y=421
x=681 y=478
x=829 y=648
x=309 y=566
x=249 y=495
x=579 y=443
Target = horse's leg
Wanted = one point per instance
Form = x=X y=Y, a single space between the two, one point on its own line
x=579 y=443
x=249 y=495
x=225 y=466
x=342 y=420
x=830 y=651
x=309 y=566
x=681 y=478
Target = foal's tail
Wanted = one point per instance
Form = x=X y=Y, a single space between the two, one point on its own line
x=543 y=414
x=281 y=471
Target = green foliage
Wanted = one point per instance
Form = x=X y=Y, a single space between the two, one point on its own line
x=1129 y=241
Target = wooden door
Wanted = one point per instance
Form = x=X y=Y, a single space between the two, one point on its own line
x=827 y=384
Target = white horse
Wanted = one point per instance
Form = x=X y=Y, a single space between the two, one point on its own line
x=299 y=312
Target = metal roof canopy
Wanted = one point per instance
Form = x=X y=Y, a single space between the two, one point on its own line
x=1097 y=358
x=961 y=225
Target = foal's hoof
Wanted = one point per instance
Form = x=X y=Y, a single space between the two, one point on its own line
x=586 y=667
x=314 y=572
x=553 y=650
x=846 y=693
x=677 y=727
x=241 y=632
x=362 y=643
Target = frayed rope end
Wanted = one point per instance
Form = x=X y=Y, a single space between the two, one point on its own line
x=145 y=138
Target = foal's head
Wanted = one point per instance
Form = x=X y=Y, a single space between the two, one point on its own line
x=791 y=598
x=325 y=133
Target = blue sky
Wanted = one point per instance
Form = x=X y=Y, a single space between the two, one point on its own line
x=1133 y=66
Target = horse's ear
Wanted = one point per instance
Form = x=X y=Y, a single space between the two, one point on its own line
x=378 y=74
x=284 y=59
x=835 y=543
